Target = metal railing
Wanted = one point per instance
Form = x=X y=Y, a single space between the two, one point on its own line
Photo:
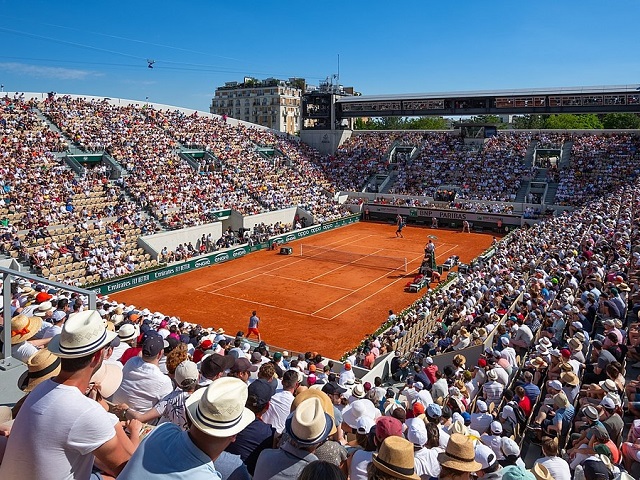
x=7 y=362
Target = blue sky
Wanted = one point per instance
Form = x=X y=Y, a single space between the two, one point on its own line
x=101 y=48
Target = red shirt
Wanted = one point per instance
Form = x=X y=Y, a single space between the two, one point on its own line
x=430 y=372
x=130 y=353
x=525 y=405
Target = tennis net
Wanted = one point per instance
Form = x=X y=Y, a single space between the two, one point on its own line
x=325 y=254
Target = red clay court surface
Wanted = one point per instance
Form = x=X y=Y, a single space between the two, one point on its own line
x=307 y=304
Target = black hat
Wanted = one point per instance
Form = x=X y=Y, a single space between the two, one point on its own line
x=259 y=394
x=332 y=388
x=153 y=345
x=215 y=364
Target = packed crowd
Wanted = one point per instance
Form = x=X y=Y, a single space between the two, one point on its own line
x=553 y=299
x=493 y=171
x=598 y=164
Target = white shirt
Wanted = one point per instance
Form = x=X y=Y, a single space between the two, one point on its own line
x=279 y=409
x=23 y=351
x=425 y=398
x=426 y=462
x=143 y=385
x=481 y=421
x=55 y=434
x=347 y=377
x=558 y=467
x=359 y=462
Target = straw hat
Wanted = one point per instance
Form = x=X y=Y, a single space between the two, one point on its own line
x=395 y=457
x=219 y=410
x=575 y=344
x=459 y=358
x=560 y=400
x=460 y=454
x=43 y=308
x=608 y=385
x=83 y=333
x=541 y=472
x=42 y=366
x=570 y=378
x=327 y=404
x=109 y=377
x=309 y=424
x=128 y=332
x=23 y=328
x=358 y=391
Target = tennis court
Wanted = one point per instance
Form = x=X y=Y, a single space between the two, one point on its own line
x=326 y=300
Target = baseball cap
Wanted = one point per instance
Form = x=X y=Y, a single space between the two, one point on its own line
x=388 y=427
x=153 y=345
x=332 y=388
x=482 y=407
x=260 y=392
x=416 y=431
x=496 y=427
x=510 y=447
x=484 y=456
x=215 y=364
x=58 y=315
x=364 y=425
x=555 y=384
x=429 y=361
x=186 y=374
x=256 y=357
x=607 y=402
x=434 y=410
x=243 y=365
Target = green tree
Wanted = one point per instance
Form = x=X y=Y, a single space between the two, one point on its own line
x=427 y=123
x=528 y=122
x=566 y=121
x=620 y=120
x=492 y=119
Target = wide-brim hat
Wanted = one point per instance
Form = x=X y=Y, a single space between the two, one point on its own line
x=43 y=308
x=357 y=409
x=570 y=378
x=327 y=404
x=309 y=424
x=219 y=409
x=460 y=454
x=23 y=328
x=42 y=366
x=541 y=472
x=83 y=333
x=395 y=457
x=109 y=377
x=575 y=344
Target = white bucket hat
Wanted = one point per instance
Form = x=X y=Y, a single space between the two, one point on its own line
x=357 y=409
x=82 y=334
x=219 y=410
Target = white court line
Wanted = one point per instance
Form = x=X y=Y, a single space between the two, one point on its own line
x=306 y=281
x=378 y=291
x=346 y=264
x=275 y=262
x=264 y=305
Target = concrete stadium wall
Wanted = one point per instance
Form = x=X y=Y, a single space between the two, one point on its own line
x=155 y=243
x=285 y=215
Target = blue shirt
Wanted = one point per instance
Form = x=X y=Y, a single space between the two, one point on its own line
x=169 y=453
x=532 y=391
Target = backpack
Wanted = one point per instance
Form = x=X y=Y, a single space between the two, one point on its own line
x=517 y=409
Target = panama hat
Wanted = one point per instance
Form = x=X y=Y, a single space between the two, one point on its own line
x=575 y=344
x=570 y=378
x=541 y=472
x=460 y=454
x=591 y=413
x=395 y=457
x=492 y=375
x=108 y=377
x=358 y=391
x=309 y=424
x=43 y=308
x=219 y=409
x=608 y=385
x=42 y=366
x=82 y=334
x=23 y=328
x=128 y=332
x=327 y=404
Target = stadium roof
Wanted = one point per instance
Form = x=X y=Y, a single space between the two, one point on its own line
x=498 y=93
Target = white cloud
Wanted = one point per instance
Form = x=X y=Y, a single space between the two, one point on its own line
x=47 y=72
